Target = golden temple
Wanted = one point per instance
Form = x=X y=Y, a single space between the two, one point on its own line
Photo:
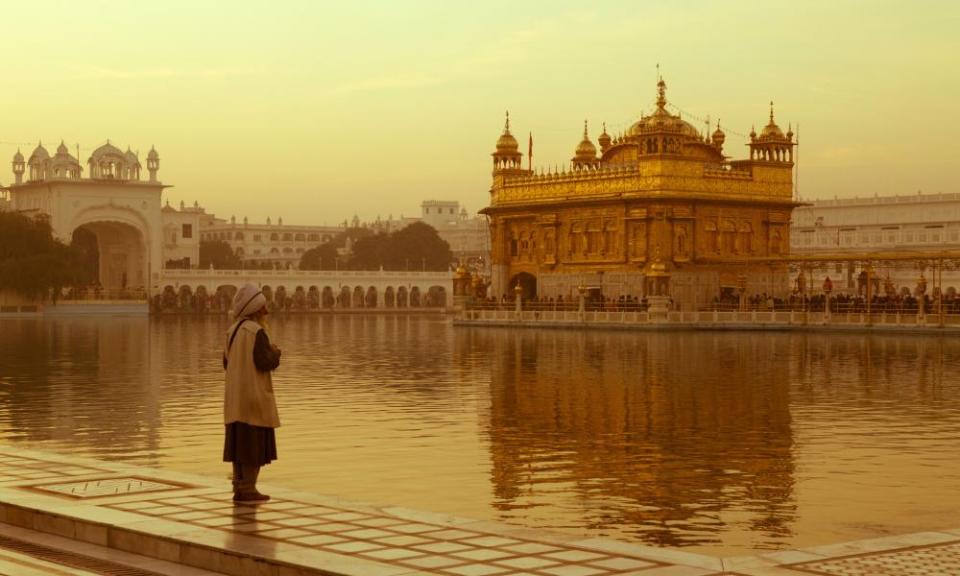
x=660 y=211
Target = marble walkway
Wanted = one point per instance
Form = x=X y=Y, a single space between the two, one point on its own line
x=191 y=521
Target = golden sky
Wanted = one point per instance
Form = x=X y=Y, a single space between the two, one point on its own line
x=314 y=110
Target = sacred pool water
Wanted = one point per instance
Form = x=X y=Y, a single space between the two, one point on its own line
x=713 y=441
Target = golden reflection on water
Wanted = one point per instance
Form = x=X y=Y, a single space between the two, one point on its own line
x=715 y=441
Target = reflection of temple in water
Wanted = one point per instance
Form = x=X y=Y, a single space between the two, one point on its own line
x=666 y=442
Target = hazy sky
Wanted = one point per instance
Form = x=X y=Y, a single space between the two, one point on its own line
x=315 y=110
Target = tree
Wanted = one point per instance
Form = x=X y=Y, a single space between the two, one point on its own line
x=217 y=253
x=322 y=257
x=328 y=253
x=371 y=252
x=416 y=247
x=419 y=246
x=32 y=262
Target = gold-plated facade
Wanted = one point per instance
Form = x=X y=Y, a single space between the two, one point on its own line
x=660 y=199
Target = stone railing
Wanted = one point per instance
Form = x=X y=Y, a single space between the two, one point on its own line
x=710 y=320
x=173 y=273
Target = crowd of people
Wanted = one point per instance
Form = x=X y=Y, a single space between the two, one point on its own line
x=623 y=303
x=843 y=303
x=840 y=303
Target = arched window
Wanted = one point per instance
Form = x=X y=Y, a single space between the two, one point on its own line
x=274 y=236
x=288 y=236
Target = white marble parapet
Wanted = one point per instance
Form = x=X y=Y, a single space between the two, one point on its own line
x=713 y=320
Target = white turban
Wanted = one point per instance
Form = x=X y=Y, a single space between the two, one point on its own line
x=249 y=299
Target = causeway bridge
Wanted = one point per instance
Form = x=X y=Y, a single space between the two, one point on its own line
x=316 y=288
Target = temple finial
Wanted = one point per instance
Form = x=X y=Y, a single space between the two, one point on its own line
x=661 y=93
x=771 y=111
x=506 y=126
x=585 y=130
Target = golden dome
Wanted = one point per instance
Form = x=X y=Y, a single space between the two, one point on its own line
x=604 y=138
x=771 y=131
x=718 y=136
x=586 y=151
x=507 y=144
x=661 y=120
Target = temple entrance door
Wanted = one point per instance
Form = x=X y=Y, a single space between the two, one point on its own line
x=117 y=257
x=528 y=285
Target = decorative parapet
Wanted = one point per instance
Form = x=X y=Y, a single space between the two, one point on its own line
x=726 y=172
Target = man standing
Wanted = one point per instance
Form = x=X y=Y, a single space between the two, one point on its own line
x=249 y=408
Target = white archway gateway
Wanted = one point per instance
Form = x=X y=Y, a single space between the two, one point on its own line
x=113 y=203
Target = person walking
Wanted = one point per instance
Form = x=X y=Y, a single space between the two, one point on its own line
x=249 y=408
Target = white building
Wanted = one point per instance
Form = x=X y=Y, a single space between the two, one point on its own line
x=910 y=223
x=468 y=236
x=181 y=235
x=113 y=202
x=267 y=245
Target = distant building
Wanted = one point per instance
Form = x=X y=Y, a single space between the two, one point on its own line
x=113 y=202
x=274 y=245
x=468 y=236
x=181 y=235
x=889 y=224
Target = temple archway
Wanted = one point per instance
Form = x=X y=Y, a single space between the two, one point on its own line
x=121 y=258
x=437 y=297
x=528 y=285
x=327 y=299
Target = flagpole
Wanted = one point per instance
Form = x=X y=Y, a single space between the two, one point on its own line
x=530 y=153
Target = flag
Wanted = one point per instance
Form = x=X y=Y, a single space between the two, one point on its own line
x=530 y=152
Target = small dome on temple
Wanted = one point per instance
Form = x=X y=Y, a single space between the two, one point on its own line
x=152 y=155
x=62 y=149
x=586 y=151
x=39 y=153
x=718 y=136
x=131 y=157
x=18 y=157
x=604 y=138
x=105 y=150
x=771 y=130
x=506 y=142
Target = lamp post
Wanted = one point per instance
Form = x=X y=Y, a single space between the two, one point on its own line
x=582 y=303
x=742 y=288
x=921 y=298
x=827 y=289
